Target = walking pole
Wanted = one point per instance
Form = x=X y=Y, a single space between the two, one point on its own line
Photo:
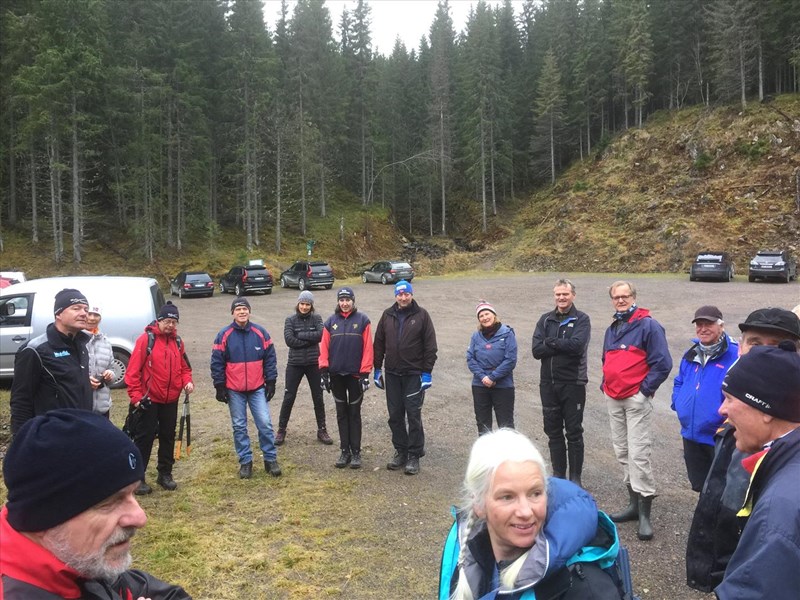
x=179 y=439
x=188 y=426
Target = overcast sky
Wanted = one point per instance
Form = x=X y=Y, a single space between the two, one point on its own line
x=409 y=19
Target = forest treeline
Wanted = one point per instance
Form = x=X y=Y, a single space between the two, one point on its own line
x=171 y=119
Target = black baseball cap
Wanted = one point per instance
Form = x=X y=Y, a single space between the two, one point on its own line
x=778 y=319
x=707 y=313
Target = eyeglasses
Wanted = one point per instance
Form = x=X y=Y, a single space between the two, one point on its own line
x=618 y=298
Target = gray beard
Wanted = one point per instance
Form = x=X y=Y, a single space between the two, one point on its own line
x=92 y=566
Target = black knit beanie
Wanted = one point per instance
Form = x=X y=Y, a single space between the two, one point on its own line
x=768 y=379
x=240 y=301
x=168 y=311
x=68 y=297
x=64 y=462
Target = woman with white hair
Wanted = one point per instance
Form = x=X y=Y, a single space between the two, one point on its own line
x=520 y=535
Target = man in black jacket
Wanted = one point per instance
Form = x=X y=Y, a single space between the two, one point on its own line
x=71 y=512
x=52 y=370
x=561 y=341
x=406 y=340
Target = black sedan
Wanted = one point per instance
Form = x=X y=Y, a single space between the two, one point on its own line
x=388 y=271
x=192 y=283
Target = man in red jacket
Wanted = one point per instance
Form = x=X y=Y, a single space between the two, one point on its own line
x=158 y=373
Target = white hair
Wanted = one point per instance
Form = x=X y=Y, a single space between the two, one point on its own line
x=489 y=452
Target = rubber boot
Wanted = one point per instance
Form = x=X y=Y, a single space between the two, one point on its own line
x=631 y=513
x=645 y=526
x=558 y=458
x=575 y=464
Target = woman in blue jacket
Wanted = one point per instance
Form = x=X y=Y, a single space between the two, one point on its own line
x=521 y=535
x=491 y=357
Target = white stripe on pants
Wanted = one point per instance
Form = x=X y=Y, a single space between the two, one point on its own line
x=630 y=434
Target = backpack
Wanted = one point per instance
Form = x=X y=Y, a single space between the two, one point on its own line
x=151 y=340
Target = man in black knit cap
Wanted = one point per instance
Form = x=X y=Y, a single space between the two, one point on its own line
x=52 y=370
x=71 y=511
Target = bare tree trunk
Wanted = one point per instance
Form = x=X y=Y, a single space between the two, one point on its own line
x=483 y=179
x=553 y=150
x=363 y=159
x=12 y=170
x=55 y=197
x=491 y=169
x=179 y=215
x=302 y=169
x=278 y=180
x=441 y=169
x=322 y=181
x=77 y=213
x=761 y=71
x=170 y=178
x=34 y=194
x=742 y=78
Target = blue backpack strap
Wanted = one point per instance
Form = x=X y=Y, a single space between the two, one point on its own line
x=450 y=553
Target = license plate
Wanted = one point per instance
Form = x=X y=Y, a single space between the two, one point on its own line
x=259 y=278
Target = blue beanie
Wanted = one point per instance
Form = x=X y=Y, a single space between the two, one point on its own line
x=346 y=292
x=403 y=286
x=168 y=311
x=64 y=462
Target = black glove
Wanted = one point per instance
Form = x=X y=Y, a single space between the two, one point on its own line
x=269 y=387
x=145 y=403
x=325 y=380
x=222 y=393
x=364 y=381
x=550 y=342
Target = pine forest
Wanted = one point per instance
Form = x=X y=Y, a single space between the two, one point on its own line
x=172 y=120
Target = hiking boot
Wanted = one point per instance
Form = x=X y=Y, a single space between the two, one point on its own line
x=355 y=463
x=166 y=481
x=246 y=470
x=398 y=462
x=280 y=437
x=344 y=460
x=322 y=436
x=271 y=467
x=412 y=466
x=143 y=489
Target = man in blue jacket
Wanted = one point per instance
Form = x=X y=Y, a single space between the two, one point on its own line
x=636 y=362
x=762 y=401
x=697 y=391
x=561 y=342
x=244 y=369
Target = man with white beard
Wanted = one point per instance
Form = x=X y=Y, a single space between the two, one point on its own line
x=71 y=512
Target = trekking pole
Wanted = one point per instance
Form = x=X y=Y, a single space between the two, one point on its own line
x=188 y=426
x=179 y=439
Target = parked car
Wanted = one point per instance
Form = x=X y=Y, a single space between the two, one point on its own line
x=240 y=280
x=769 y=264
x=192 y=283
x=388 y=271
x=129 y=304
x=712 y=265
x=305 y=274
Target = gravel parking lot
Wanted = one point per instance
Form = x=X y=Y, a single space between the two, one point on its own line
x=416 y=525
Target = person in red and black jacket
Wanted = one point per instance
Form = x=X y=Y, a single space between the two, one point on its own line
x=244 y=369
x=345 y=361
x=636 y=361
x=158 y=373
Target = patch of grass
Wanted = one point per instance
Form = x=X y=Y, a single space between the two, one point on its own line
x=752 y=149
x=703 y=161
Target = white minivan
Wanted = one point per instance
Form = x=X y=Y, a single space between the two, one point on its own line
x=129 y=304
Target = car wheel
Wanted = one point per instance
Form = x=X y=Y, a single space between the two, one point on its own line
x=364 y=278
x=268 y=292
x=692 y=278
x=211 y=294
x=283 y=282
x=119 y=364
x=238 y=289
x=750 y=278
x=327 y=287
x=384 y=280
x=222 y=289
x=301 y=284
x=180 y=293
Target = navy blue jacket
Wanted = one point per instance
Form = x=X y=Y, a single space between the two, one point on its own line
x=243 y=358
x=495 y=357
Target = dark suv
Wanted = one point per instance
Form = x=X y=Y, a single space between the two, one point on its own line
x=305 y=274
x=712 y=265
x=250 y=278
x=768 y=264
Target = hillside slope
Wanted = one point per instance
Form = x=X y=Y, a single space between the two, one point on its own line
x=694 y=179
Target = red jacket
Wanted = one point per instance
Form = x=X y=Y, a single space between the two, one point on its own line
x=163 y=373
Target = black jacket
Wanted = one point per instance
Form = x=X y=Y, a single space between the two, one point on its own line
x=50 y=371
x=303 y=334
x=409 y=349
x=561 y=344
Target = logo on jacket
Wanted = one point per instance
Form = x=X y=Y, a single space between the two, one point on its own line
x=335 y=326
x=488 y=346
x=61 y=353
x=355 y=325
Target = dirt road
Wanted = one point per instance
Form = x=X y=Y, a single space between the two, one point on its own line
x=412 y=518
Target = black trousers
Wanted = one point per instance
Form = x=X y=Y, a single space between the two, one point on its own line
x=294 y=375
x=161 y=419
x=698 y=458
x=348 y=395
x=501 y=400
x=404 y=399
x=562 y=414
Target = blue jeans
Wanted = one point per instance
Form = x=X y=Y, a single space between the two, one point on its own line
x=237 y=404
